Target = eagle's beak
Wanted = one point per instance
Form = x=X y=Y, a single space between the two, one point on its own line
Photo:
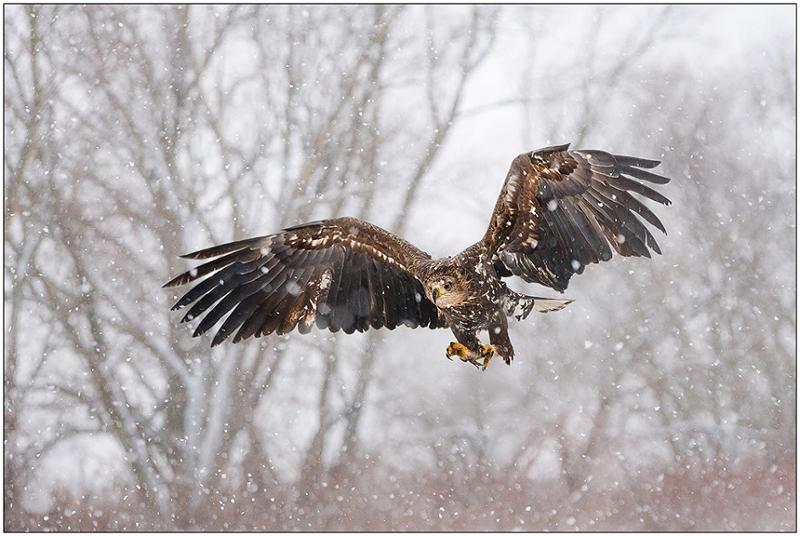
x=436 y=292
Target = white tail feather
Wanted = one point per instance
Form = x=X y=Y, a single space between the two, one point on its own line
x=520 y=306
x=546 y=305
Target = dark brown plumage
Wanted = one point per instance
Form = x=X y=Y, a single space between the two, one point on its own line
x=558 y=211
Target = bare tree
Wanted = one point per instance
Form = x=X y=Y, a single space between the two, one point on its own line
x=183 y=175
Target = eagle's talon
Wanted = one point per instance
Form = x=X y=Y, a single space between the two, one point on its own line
x=456 y=348
x=487 y=351
x=464 y=354
x=472 y=361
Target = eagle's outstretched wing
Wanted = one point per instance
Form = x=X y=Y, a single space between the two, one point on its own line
x=559 y=210
x=338 y=274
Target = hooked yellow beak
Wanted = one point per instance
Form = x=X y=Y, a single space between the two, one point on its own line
x=436 y=292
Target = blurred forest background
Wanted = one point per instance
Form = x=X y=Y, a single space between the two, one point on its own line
x=662 y=399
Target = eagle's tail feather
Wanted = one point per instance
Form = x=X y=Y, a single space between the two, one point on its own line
x=546 y=305
x=520 y=306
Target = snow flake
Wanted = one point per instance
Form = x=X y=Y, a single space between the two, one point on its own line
x=293 y=288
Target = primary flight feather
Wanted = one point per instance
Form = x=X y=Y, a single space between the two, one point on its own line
x=558 y=211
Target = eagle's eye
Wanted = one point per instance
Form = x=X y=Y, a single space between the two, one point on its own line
x=446 y=285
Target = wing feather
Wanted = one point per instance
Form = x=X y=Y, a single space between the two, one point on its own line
x=561 y=210
x=341 y=274
x=377 y=316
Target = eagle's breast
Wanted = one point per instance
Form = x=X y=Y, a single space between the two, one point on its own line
x=485 y=294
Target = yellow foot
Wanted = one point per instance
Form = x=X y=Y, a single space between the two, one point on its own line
x=487 y=352
x=463 y=353
x=456 y=348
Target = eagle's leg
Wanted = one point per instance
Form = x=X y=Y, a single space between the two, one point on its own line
x=500 y=342
x=467 y=348
x=487 y=352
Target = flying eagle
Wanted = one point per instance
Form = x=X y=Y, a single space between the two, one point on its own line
x=558 y=211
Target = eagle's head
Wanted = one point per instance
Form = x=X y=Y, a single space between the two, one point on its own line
x=446 y=286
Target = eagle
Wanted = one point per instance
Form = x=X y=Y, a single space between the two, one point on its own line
x=559 y=210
